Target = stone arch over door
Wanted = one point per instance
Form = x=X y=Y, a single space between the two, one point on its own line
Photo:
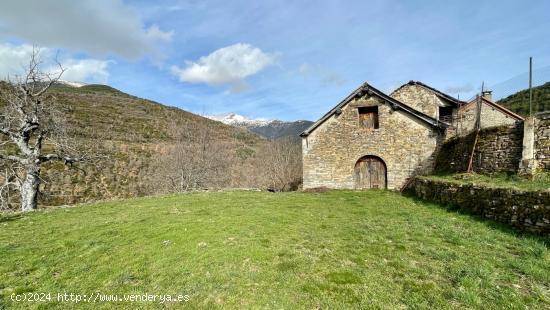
x=370 y=172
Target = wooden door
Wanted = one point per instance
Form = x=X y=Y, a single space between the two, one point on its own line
x=368 y=117
x=370 y=172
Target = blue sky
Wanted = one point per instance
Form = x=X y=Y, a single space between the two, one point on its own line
x=281 y=59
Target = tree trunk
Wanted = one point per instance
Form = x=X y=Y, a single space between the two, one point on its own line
x=29 y=189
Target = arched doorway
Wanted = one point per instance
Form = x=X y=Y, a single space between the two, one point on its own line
x=370 y=172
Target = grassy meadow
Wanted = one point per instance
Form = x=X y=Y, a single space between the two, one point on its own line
x=539 y=182
x=241 y=250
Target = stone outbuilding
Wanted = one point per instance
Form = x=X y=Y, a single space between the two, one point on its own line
x=491 y=115
x=460 y=115
x=372 y=140
x=428 y=100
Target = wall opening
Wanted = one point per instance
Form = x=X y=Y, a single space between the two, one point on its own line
x=370 y=172
x=368 y=117
x=446 y=114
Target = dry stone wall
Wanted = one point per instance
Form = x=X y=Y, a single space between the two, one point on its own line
x=542 y=141
x=498 y=150
x=523 y=210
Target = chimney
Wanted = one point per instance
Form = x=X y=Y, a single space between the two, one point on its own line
x=487 y=94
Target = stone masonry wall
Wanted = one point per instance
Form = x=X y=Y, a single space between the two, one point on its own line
x=523 y=210
x=542 y=141
x=490 y=117
x=419 y=98
x=498 y=150
x=331 y=151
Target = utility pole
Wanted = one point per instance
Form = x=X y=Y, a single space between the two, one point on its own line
x=479 y=103
x=477 y=128
x=530 y=86
x=458 y=116
x=531 y=100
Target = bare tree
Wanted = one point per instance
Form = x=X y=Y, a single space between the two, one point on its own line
x=196 y=161
x=30 y=123
x=8 y=185
x=280 y=162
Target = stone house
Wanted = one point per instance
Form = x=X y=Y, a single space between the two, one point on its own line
x=372 y=140
x=428 y=100
x=491 y=114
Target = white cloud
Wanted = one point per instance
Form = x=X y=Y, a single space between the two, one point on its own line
x=155 y=34
x=227 y=65
x=86 y=70
x=15 y=58
x=94 y=26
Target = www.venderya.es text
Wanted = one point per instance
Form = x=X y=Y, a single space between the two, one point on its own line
x=98 y=297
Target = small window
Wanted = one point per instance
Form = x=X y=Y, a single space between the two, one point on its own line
x=446 y=114
x=368 y=117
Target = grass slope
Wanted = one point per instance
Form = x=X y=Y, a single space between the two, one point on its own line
x=519 y=102
x=336 y=250
x=540 y=182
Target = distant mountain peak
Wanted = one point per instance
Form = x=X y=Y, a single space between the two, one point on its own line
x=268 y=128
x=239 y=120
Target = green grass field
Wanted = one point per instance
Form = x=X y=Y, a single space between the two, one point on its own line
x=334 y=250
x=539 y=182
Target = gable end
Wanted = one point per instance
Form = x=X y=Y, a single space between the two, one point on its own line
x=369 y=90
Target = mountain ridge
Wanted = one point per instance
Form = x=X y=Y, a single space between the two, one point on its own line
x=237 y=119
x=268 y=128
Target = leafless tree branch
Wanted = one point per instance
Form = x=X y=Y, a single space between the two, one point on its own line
x=29 y=120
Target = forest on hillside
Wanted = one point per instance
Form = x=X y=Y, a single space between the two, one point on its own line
x=149 y=148
x=519 y=102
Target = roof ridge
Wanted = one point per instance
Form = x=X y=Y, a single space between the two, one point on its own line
x=498 y=106
x=434 y=90
x=366 y=87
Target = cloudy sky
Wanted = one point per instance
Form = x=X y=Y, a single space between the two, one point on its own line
x=279 y=59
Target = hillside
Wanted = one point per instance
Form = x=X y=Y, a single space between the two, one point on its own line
x=121 y=117
x=279 y=129
x=137 y=136
x=519 y=102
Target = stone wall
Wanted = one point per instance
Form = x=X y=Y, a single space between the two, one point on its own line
x=490 y=117
x=330 y=152
x=498 y=150
x=419 y=98
x=523 y=210
x=542 y=141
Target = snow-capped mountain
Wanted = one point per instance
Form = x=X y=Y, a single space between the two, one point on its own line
x=239 y=120
x=268 y=128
